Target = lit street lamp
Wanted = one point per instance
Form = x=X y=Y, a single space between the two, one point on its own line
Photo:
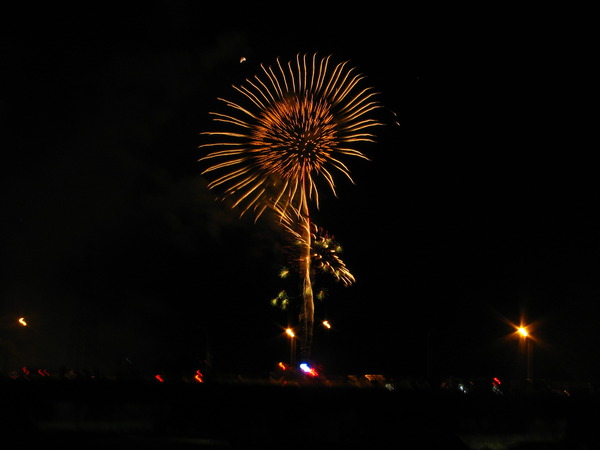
x=292 y=336
x=524 y=334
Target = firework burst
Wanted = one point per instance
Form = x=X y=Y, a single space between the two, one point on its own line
x=325 y=251
x=299 y=122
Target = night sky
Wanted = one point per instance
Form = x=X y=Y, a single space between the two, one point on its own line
x=479 y=205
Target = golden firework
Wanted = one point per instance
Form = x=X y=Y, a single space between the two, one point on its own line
x=299 y=121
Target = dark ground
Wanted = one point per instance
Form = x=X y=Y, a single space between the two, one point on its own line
x=179 y=415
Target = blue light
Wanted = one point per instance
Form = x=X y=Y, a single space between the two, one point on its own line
x=308 y=370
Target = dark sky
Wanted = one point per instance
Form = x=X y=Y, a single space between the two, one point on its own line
x=478 y=207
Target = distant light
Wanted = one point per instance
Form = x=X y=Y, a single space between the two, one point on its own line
x=496 y=383
x=308 y=370
x=22 y=321
x=290 y=332
x=326 y=324
x=242 y=59
x=522 y=331
x=159 y=378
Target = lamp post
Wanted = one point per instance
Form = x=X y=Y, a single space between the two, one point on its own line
x=528 y=349
x=292 y=336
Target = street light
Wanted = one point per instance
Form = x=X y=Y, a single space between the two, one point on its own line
x=292 y=336
x=524 y=334
x=522 y=331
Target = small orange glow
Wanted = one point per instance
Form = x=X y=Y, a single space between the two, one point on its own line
x=22 y=321
x=282 y=365
x=290 y=332
x=199 y=377
x=326 y=324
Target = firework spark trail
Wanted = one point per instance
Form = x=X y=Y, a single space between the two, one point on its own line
x=325 y=251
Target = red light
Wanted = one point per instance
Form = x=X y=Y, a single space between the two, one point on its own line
x=199 y=377
x=496 y=381
x=159 y=378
